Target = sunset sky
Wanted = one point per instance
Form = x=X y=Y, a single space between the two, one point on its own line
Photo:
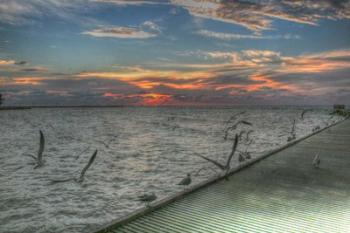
x=175 y=52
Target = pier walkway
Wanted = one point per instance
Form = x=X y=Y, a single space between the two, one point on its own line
x=281 y=193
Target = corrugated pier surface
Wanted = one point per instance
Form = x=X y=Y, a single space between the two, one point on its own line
x=282 y=193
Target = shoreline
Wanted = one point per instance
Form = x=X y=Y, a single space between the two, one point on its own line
x=14 y=108
x=329 y=107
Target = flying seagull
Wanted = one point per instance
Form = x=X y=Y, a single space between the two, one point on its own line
x=186 y=181
x=82 y=174
x=39 y=158
x=233 y=117
x=233 y=127
x=316 y=162
x=147 y=198
x=222 y=167
x=303 y=113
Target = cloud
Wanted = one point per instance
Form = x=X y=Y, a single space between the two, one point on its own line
x=227 y=77
x=316 y=63
x=251 y=14
x=120 y=32
x=233 y=36
x=34 y=69
x=147 y=99
x=14 y=12
x=131 y=2
x=6 y=62
x=21 y=63
x=258 y=15
x=262 y=59
x=20 y=12
x=152 y=26
x=18 y=67
x=147 y=79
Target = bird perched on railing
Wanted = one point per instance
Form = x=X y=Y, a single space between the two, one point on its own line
x=316 y=162
x=186 y=181
x=147 y=198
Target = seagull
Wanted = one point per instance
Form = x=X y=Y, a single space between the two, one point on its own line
x=291 y=138
x=316 y=162
x=82 y=174
x=241 y=158
x=233 y=127
x=39 y=159
x=316 y=128
x=222 y=167
x=186 y=181
x=247 y=155
x=303 y=113
x=233 y=117
x=147 y=198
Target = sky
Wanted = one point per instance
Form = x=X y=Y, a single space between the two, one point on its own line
x=175 y=52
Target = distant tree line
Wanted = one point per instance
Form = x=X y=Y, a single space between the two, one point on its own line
x=1 y=99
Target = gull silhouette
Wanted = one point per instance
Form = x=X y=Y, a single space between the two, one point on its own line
x=223 y=167
x=147 y=198
x=82 y=173
x=39 y=158
x=316 y=162
x=186 y=181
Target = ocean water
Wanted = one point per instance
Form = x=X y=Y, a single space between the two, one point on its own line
x=140 y=150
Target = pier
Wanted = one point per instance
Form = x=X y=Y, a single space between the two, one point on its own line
x=280 y=192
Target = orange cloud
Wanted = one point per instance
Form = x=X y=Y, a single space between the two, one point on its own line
x=268 y=83
x=154 y=99
x=260 y=82
x=113 y=95
x=274 y=61
x=230 y=73
x=148 y=99
x=148 y=79
x=27 y=81
x=6 y=62
x=260 y=67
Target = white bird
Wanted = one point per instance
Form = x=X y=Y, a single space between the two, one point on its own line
x=316 y=162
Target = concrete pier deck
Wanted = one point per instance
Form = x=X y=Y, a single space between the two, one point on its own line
x=281 y=193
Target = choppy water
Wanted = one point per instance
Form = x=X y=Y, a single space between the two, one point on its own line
x=139 y=150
